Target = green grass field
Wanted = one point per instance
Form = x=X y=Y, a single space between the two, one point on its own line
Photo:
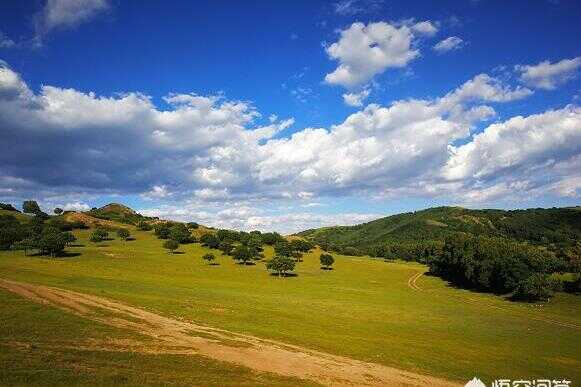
x=364 y=309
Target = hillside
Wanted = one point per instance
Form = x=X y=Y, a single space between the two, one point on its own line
x=559 y=226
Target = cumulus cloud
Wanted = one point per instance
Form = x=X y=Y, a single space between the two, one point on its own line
x=547 y=75
x=449 y=44
x=65 y=14
x=364 y=51
x=76 y=206
x=356 y=99
x=210 y=151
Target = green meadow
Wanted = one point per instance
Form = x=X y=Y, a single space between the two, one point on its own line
x=365 y=309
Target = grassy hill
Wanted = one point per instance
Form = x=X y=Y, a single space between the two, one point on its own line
x=558 y=226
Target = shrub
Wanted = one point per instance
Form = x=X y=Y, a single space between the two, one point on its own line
x=327 y=260
x=208 y=257
x=99 y=235
x=171 y=245
x=123 y=233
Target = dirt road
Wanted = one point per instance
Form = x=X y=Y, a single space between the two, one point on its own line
x=171 y=335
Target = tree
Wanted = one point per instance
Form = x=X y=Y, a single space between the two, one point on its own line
x=209 y=258
x=210 y=241
x=99 y=235
x=31 y=207
x=69 y=238
x=242 y=254
x=52 y=241
x=58 y=211
x=171 y=245
x=327 y=261
x=281 y=265
x=180 y=233
x=537 y=287
x=161 y=230
x=193 y=225
x=123 y=233
x=144 y=226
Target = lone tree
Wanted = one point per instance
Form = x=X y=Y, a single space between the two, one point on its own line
x=171 y=245
x=123 y=233
x=281 y=265
x=58 y=211
x=209 y=258
x=31 y=207
x=327 y=261
x=99 y=235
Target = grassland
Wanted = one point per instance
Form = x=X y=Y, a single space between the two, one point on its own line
x=364 y=309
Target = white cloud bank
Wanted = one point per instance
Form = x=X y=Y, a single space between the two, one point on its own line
x=547 y=75
x=205 y=149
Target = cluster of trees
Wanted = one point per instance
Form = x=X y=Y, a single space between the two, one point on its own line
x=499 y=265
x=46 y=236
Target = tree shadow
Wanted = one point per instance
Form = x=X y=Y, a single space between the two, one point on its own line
x=214 y=264
x=327 y=268
x=284 y=275
x=68 y=254
x=178 y=252
x=250 y=263
x=77 y=245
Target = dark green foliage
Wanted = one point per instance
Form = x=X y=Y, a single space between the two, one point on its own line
x=226 y=247
x=144 y=226
x=180 y=233
x=69 y=238
x=282 y=266
x=210 y=241
x=497 y=265
x=243 y=254
x=8 y=207
x=52 y=241
x=123 y=233
x=537 y=287
x=99 y=235
x=193 y=225
x=326 y=260
x=208 y=258
x=271 y=238
x=162 y=230
x=58 y=211
x=12 y=231
x=30 y=207
x=171 y=245
x=554 y=227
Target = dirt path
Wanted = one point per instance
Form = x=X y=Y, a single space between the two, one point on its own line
x=173 y=335
x=412 y=281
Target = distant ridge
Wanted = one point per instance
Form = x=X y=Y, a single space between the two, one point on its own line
x=538 y=226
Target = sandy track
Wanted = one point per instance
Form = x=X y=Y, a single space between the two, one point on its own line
x=173 y=335
x=412 y=281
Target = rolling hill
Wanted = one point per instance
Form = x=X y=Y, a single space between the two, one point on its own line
x=557 y=226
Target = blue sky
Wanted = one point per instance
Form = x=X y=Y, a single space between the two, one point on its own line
x=288 y=115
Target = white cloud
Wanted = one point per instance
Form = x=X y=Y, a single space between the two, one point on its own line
x=425 y=28
x=356 y=99
x=75 y=206
x=65 y=14
x=547 y=75
x=213 y=152
x=520 y=142
x=449 y=44
x=364 y=51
